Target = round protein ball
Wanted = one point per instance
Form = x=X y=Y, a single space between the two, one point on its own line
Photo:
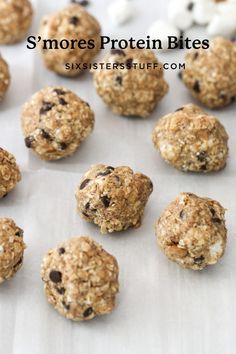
x=4 y=77
x=81 y=279
x=210 y=74
x=15 y=20
x=113 y=198
x=191 y=140
x=72 y=22
x=55 y=122
x=127 y=89
x=191 y=231
x=12 y=248
x=9 y=172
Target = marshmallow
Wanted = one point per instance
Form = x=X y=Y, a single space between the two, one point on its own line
x=120 y=11
x=224 y=22
x=161 y=29
x=227 y=8
x=204 y=11
x=222 y=25
x=180 y=14
x=221 y=16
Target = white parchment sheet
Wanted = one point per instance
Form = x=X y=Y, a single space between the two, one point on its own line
x=161 y=308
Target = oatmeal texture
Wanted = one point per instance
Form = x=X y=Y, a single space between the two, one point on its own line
x=191 y=140
x=9 y=172
x=15 y=20
x=4 y=77
x=55 y=122
x=72 y=22
x=210 y=74
x=12 y=248
x=80 y=279
x=191 y=231
x=113 y=198
x=130 y=91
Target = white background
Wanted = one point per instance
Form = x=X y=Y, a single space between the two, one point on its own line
x=161 y=307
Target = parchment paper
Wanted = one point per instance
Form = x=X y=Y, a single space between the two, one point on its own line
x=161 y=308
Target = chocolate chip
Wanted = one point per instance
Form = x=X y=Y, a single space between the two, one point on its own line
x=84 y=183
x=61 y=291
x=87 y=206
x=62 y=146
x=84 y=3
x=199 y=260
x=61 y=250
x=201 y=156
x=180 y=75
x=195 y=55
x=203 y=167
x=129 y=63
x=222 y=95
x=233 y=99
x=106 y=201
x=88 y=312
x=182 y=215
x=66 y=306
x=80 y=2
x=4 y=196
x=18 y=263
x=59 y=92
x=117 y=178
x=191 y=195
x=29 y=141
x=117 y=52
x=74 y=20
x=196 y=86
x=190 y=6
x=108 y=170
x=85 y=214
x=151 y=185
x=47 y=106
x=119 y=80
x=45 y=135
x=19 y=233
x=216 y=220
x=179 y=109
x=55 y=276
x=213 y=211
x=62 y=101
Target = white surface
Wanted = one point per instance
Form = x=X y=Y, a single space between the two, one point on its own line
x=161 y=309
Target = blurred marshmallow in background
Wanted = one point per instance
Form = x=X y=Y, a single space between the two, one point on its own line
x=162 y=29
x=204 y=11
x=121 y=11
x=180 y=13
x=220 y=16
x=224 y=21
